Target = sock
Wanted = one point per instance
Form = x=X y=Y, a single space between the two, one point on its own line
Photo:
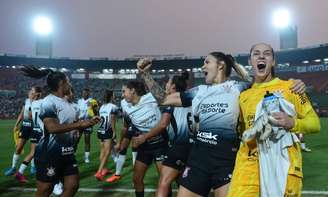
x=86 y=155
x=15 y=160
x=303 y=145
x=170 y=193
x=139 y=194
x=32 y=163
x=134 y=156
x=119 y=164
x=23 y=167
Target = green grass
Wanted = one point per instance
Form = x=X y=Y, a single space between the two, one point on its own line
x=315 y=165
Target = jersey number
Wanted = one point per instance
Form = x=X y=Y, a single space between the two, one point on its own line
x=36 y=125
x=104 y=122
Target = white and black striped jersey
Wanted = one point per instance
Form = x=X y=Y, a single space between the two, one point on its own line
x=145 y=115
x=180 y=128
x=36 y=109
x=217 y=107
x=61 y=143
x=27 y=122
x=106 y=111
x=142 y=117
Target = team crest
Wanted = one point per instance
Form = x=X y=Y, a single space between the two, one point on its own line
x=185 y=172
x=227 y=88
x=50 y=171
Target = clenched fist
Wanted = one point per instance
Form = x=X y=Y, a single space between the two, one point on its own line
x=144 y=64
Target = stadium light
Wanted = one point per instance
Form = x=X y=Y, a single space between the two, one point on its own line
x=317 y=60
x=281 y=18
x=42 y=26
x=305 y=62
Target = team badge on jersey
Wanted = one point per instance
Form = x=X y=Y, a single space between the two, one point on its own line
x=50 y=171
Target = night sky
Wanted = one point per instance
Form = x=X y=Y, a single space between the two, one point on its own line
x=122 y=28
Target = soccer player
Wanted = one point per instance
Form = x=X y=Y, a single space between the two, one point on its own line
x=246 y=179
x=144 y=114
x=106 y=132
x=178 y=124
x=88 y=108
x=215 y=105
x=35 y=135
x=25 y=130
x=124 y=142
x=54 y=154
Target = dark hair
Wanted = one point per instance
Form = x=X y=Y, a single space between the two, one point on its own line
x=53 y=77
x=86 y=89
x=138 y=86
x=38 y=89
x=227 y=59
x=180 y=81
x=272 y=51
x=108 y=95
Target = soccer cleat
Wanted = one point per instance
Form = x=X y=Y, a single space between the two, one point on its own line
x=10 y=171
x=113 y=178
x=20 y=178
x=58 y=189
x=32 y=170
x=99 y=176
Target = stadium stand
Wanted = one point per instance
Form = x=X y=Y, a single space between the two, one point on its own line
x=309 y=64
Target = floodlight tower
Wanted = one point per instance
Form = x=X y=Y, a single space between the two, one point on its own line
x=287 y=31
x=42 y=27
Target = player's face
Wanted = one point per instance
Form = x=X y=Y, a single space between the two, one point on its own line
x=66 y=86
x=85 y=94
x=30 y=94
x=169 y=87
x=262 y=61
x=210 y=69
x=128 y=94
x=70 y=95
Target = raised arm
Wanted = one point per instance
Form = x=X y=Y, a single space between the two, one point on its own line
x=158 y=92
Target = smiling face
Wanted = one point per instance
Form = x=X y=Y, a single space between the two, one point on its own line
x=262 y=61
x=127 y=94
x=211 y=69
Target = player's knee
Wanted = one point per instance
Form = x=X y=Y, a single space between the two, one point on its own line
x=137 y=179
x=163 y=185
x=72 y=187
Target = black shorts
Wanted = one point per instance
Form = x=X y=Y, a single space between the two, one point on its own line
x=148 y=156
x=209 y=167
x=131 y=133
x=53 y=169
x=177 y=156
x=26 y=130
x=105 y=135
x=36 y=136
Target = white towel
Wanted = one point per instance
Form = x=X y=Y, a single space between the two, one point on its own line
x=272 y=143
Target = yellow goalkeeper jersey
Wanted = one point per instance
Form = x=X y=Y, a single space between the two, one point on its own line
x=246 y=172
x=92 y=106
